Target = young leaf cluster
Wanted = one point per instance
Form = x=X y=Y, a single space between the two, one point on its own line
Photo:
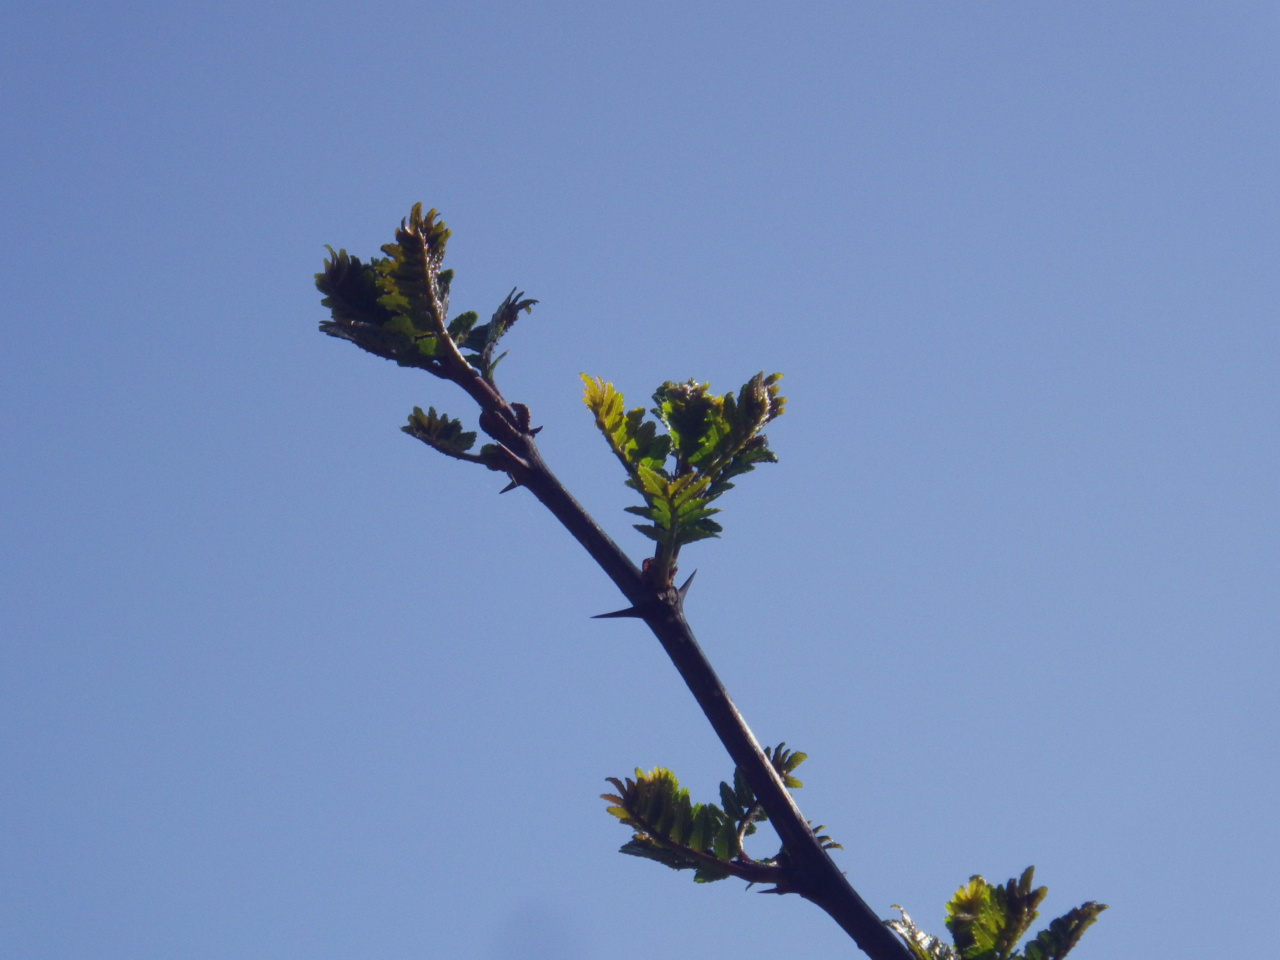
x=443 y=433
x=397 y=306
x=482 y=340
x=705 y=442
x=987 y=922
x=708 y=839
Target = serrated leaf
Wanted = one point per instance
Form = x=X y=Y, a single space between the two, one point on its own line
x=702 y=829
x=975 y=920
x=351 y=291
x=440 y=431
x=794 y=761
x=409 y=277
x=1018 y=901
x=460 y=326
x=1064 y=933
x=709 y=874
x=483 y=339
x=651 y=482
x=726 y=841
x=746 y=796
x=711 y=437
x=729 y=802
x=987 y=921
x=672 y=830
x=393 y=306
x=694 y=534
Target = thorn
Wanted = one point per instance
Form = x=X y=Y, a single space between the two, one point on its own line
x=685 y=588
x=629 y=612
x=509 y=487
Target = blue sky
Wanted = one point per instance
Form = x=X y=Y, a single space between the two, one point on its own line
x=280 y=683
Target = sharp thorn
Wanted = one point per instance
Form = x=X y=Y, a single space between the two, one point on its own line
x=629 y=612
x=509 y=487
x=685 y=588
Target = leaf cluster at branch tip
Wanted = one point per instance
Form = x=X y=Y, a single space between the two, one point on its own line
x=396 y=306
x=705 y=442
x=987 y=922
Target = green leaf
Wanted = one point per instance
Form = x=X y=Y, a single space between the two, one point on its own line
x=724 y=842
x=651 y=482
x=356 y=312
x=694 y=418
x=410 y=276
x=785 y=762
x=460 y=326
x=711 y=437
x=393 y=306
x=441 y=432
x=351 y=292
x=672 y=830
x=484 y=338
x=975 y=920
x=1020 y=903
x=746 y=796
x=710 y=873
x=987 y=921
x=702 y=829
x=692 y=534
x=1063 y=933
x=729 y=801
x=634 y=441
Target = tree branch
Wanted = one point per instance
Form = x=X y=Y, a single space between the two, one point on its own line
x=396 y=308
x=813 y=874
x=413 y=294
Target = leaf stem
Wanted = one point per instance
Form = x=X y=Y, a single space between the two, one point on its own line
x=747 y=821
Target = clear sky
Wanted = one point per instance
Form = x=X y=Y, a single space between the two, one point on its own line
x=279 y=682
